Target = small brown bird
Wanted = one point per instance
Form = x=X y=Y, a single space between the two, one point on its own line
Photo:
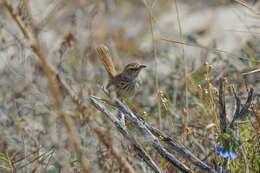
x=126 y=82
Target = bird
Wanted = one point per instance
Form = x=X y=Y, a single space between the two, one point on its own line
x=126 y=82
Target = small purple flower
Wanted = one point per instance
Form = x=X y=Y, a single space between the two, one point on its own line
x=225 y=154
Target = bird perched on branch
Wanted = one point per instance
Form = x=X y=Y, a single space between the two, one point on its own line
x=124 y=83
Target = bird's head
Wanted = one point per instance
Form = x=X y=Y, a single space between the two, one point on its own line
x=133 y=69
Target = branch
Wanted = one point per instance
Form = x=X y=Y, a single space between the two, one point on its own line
x=139 y=123
x=222 y=107
x=239 y=114
x=137 y=147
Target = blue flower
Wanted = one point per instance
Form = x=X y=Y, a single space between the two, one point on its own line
x=225 y=154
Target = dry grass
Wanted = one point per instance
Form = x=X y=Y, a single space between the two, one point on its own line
x=53 y=117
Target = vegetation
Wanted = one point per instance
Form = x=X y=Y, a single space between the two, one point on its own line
x=196 y=110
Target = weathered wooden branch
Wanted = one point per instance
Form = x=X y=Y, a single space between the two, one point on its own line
x=148 y=133
x=136 y=146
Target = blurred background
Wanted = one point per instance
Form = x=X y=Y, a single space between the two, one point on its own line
x=187 y=47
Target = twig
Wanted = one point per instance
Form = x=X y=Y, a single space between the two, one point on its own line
x=243 y=112
x=222 y=107
x=48 y=153
x=142 y=125
x=186 y=114
x=149 y=7
x=205 y=47
x=179 y=148
x=137 y=147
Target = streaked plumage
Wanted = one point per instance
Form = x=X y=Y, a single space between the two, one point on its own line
x=125 y=83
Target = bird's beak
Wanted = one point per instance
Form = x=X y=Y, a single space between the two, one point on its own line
x=142 y=66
